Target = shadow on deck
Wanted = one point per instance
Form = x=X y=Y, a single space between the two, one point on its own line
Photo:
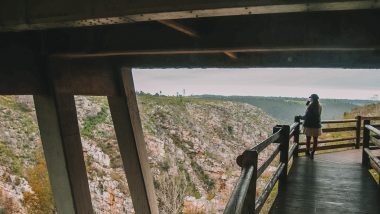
x=332 y=183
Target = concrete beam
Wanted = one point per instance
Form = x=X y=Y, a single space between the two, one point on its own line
x=346 y=32
x=129 y=133
x=83 y=77
x=22 y=15
x=20 y=70
x=357 y=60
x=57 y=120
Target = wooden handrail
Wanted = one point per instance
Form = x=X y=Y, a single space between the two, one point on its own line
x=269 y=187
x=292 y=151
x=331 y=140
x=339 y=121
x=293 y=126
x=272 y=139
x=268 y=161
x=337 y=146
x=243 y=197
x=373 y=158
x=243 y=201
x=237 y=198
x=371 y=118
x=375 y=141
x=373 y=129
x=339 y=129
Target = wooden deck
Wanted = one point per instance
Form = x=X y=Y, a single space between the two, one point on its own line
x=332 y=183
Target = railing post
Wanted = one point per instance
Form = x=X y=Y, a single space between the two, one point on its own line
x=284 y=149
x=245 y=202
x=249 y=203
x=365 y=158
x=296 y=135
x=358 y=130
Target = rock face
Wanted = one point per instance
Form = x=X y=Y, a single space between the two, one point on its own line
x=192 y=146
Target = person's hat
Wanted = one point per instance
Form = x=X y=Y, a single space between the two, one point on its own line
x=314 y=97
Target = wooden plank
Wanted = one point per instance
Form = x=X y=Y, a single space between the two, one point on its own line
x=374 y=166
x=339 y=129
x=129 y=133
x=370 y=118
x=45 y=15
x=235 y=204
x=57 y=119
x=375 y=141
x=373 y=129
x=271 y=139
x=292 y=151
x=332 y=140
x=268 y=161
x=373 y=157
x=180 y=27
x=338 y=146
x=231 y=55
x=338 y=121
x=294 y=126
x=324 y=186
x=269 y=187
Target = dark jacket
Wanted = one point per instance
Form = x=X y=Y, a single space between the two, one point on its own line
x=312 y=117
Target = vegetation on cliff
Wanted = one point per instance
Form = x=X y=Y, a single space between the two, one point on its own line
x=192 y=144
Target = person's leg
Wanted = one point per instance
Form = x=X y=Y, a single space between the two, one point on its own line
x=315 y=144
x=308 y=139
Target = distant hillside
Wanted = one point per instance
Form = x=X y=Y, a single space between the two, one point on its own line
x=369 y=110
x=285 y=108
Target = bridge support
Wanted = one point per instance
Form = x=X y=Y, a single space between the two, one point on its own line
x=57 y=119
x=60 y=136
x=127 y=123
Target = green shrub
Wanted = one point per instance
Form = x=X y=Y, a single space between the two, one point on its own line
x=90 y=123
x=10 y=159
x=209 y=183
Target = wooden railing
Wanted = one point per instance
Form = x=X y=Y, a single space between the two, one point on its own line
x=353 y=126
x=243 y=198
x=371 y=136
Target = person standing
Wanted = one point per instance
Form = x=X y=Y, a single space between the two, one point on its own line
x=312 y=123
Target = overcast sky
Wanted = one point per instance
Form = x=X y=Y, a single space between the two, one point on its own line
x=299 y=82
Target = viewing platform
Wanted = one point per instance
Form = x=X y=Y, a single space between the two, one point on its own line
x=333 y=182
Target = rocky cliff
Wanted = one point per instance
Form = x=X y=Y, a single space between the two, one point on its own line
x=192 y=145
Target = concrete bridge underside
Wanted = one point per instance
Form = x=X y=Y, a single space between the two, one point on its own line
x=54 y=50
